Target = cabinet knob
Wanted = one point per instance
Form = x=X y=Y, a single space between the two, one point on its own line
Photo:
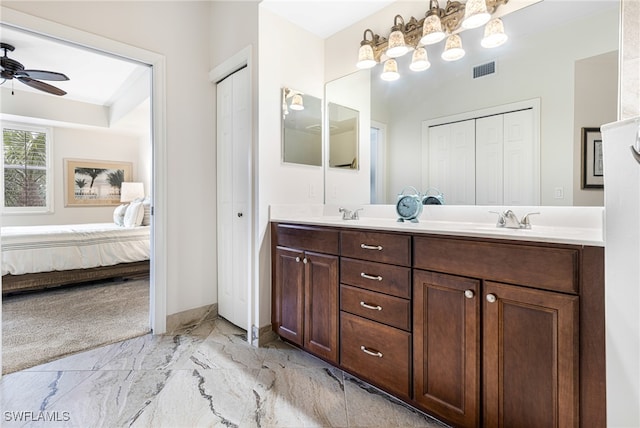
x=373 y=353
x=304 y=260
x=469 y=294
x=297 y=259
x=491 y=298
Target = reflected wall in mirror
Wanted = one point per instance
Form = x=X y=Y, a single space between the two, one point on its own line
x=343 y=136
x=562 y=53
x=301 y=128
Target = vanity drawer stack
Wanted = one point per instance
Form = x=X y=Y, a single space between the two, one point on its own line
x=375 y=308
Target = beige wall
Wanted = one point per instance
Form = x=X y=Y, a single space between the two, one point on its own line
x=595 y=103
x=630 y=64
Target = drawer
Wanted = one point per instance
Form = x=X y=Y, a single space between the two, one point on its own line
x=388 y=279
x=376 y=352
x=549 y=268
x=390 y=310
x=377 y=247
x=308 y=238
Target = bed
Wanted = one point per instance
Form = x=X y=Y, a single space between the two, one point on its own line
x=37 y=257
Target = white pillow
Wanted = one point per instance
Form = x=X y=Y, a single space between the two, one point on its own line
x=134 y=214
x=146 y=219
x=118 y=214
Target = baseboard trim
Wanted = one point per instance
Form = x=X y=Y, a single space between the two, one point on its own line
x=191 y=317
x=265 y=335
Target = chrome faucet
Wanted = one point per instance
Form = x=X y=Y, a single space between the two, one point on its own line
x=349 y=215
x=509 y=220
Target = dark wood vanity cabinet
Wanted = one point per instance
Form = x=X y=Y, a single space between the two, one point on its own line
x=537 y=317
x=476 y=332
x=446 y=350
x=305 y=288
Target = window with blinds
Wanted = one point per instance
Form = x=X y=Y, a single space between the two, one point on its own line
x=26 y=168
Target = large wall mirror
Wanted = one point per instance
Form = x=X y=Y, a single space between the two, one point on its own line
x=343 y=136
x=562 y=54
x=301 y=128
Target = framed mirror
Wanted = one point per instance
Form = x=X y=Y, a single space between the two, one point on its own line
x=301 y=128
x=343 y=136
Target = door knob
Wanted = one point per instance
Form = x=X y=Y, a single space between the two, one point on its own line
x=239 y=214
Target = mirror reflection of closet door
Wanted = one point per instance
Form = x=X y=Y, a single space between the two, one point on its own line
x=234 y=210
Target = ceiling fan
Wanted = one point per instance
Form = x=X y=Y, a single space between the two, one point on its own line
x=10 y=68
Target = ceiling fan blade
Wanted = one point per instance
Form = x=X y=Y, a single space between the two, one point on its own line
x=42 y=75
x=36 y=84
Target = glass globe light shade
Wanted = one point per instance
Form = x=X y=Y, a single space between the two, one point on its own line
x=453 y=48
x=419 y=60
x=494 y=35
x=475 y=14
x=390 y=71
x=296 y=102
x=432 y=30
x=397 y=47
x=365 y=57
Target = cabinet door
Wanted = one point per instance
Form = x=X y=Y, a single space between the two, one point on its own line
x=530 y=357
x=321 y=305
x=288 y=294
x=446 y=337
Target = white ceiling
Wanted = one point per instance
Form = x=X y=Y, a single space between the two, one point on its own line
x=325 y=17
x=94 y=77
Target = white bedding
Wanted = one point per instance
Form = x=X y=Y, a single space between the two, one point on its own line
x=31 y=249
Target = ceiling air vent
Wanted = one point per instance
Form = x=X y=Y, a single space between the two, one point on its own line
x=484 y=69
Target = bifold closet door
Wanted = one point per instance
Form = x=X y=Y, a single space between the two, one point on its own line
x=234 y=211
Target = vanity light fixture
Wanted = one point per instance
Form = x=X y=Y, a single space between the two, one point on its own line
x=453 y=48
x=397 y=47
x=494 y=34
x=419 y=60
x=390 y=71
x=419 y=35
x=475 y=14
x=297 y=102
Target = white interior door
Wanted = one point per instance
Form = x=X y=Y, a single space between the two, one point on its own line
x=234 y=197
x=489 y=160
x=452 y=161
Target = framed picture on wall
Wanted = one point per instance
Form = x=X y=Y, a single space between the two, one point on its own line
x=94 y=182
x=592 y=171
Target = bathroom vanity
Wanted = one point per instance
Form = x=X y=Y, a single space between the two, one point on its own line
x=471 y=324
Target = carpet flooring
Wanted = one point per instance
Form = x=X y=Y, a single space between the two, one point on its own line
x=43 y=326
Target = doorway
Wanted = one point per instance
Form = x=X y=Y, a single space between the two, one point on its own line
x=158 y=274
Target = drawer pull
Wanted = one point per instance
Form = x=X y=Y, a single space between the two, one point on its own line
x=373 y=277
x=368 y=306
x=371 y=247
x=373 y=353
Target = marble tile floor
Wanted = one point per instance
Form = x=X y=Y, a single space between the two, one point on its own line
x=203 y=376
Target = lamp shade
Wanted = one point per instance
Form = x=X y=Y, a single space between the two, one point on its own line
x=453 y=48
x=397 y=47
x=432 y=30
x=419 y=60
x=390 y=71
x=494 y=35
x=475 y=14
x=365 y=57
x=297 y=102
x=130 y=191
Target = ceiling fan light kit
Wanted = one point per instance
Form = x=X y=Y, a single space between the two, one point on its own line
x=11 y=69
x=437 y=25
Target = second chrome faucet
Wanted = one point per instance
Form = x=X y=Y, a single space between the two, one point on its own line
x=510 y=220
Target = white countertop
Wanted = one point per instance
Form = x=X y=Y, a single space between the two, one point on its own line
x=562 y=225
